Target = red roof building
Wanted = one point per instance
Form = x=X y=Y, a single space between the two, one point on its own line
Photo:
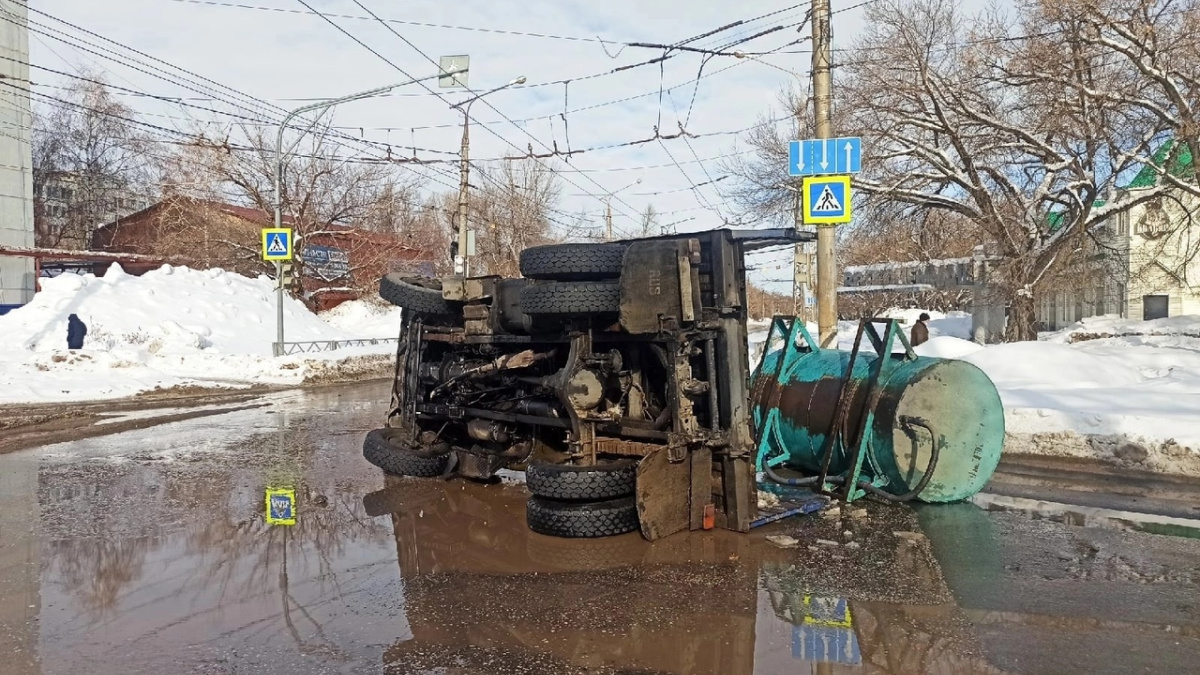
x=335 y=263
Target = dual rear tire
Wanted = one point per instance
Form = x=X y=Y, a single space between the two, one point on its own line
x=582 y=501
x=572 y=279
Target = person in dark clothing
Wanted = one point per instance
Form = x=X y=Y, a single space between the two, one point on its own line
x=920 y=331
x=76 y=331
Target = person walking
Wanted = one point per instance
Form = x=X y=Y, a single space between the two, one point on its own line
x=920 y=331
x=76 y=332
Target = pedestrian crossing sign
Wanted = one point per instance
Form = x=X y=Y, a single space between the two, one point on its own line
x=277 y=244
x=827 y=200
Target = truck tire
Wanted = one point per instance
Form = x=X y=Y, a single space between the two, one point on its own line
x=581 y=483
x=571 y=298
x=578 y=520
x=573 y=262
x=381 y=449
x=404 y=293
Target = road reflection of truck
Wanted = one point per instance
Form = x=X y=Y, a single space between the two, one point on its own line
x=500 y=598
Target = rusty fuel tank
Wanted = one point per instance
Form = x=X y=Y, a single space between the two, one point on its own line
x=904 y=404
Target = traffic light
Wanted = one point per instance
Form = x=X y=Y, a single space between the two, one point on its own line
x=287 y=274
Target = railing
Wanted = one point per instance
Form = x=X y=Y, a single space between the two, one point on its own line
x=313 y=346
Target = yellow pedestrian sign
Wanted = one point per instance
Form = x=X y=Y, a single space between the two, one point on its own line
x=277 y=244
x=827 y=200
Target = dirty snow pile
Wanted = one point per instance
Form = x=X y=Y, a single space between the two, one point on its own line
x=1105 y=387
x=170 y=327
x=365 y=318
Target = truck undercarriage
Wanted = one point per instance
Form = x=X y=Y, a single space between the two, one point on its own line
x=616 y=375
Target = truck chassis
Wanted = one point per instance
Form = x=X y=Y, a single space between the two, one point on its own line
x=616 y=375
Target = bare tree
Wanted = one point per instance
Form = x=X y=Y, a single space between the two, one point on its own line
x=323 y=192
x=901 y=235
x=1026 y=128
x=320 y=186
x=759 y=194
x=512 y=211
x=89 y=163
x=650 y=225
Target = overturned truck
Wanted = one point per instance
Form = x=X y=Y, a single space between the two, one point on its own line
x=616 y=375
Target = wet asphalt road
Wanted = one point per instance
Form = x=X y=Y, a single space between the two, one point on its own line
x=148 y=552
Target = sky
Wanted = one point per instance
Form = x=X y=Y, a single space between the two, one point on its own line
x=280 y=52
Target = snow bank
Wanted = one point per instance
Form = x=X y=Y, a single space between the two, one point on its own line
x=947 y=347
x=170 y=327
x=365 y=318
x=1129 y=400
x=1111 y=326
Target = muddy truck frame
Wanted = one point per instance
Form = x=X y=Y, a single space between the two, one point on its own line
x=616 y=375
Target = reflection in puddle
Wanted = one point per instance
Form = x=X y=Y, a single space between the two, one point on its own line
x=165 y=562
x=822 y=629
x=485 y=594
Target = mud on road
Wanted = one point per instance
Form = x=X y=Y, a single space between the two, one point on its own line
x=147 y=551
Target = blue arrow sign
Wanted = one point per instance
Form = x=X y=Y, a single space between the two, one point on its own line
x=848 y=152
x=798 y=164
x=825 y=156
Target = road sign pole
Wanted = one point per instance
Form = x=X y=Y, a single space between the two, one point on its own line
x=279 y=309
x=827 y=313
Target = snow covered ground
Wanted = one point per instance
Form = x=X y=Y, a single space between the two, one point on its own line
x=1122 y=391
x=173 y=327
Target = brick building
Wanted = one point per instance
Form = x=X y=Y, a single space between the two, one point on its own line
x=335 y=262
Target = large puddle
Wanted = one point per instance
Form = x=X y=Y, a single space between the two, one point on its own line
x=149 y=552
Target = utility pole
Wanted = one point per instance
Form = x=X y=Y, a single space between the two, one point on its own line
x=801 y=260
x=461 y=266
x=608 y=228
x=464 y=173
x=822 y=67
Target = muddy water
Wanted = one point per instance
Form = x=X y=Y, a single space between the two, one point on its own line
x=148 y=552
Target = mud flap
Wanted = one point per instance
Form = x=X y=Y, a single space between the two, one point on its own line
x=663 y=495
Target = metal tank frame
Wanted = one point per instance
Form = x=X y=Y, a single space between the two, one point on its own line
x=850 y=467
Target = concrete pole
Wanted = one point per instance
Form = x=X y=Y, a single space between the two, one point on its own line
x=799 y=266
x=461 y=265
x=464 y=173
x=608 y=220
x=822 y=67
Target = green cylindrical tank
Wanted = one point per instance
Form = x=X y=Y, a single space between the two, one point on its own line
x=916 y=402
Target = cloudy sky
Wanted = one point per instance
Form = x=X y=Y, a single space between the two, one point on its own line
x=281 y=53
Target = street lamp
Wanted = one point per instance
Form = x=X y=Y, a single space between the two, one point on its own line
x=608 y=209
x=279 y=155
x=460 y=257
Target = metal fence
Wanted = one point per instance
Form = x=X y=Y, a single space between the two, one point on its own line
x=289 y=348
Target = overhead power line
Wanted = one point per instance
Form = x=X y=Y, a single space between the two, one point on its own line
x=422 y=24
x=428 y=58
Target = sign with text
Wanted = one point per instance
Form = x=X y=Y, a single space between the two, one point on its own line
x=326 y=262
